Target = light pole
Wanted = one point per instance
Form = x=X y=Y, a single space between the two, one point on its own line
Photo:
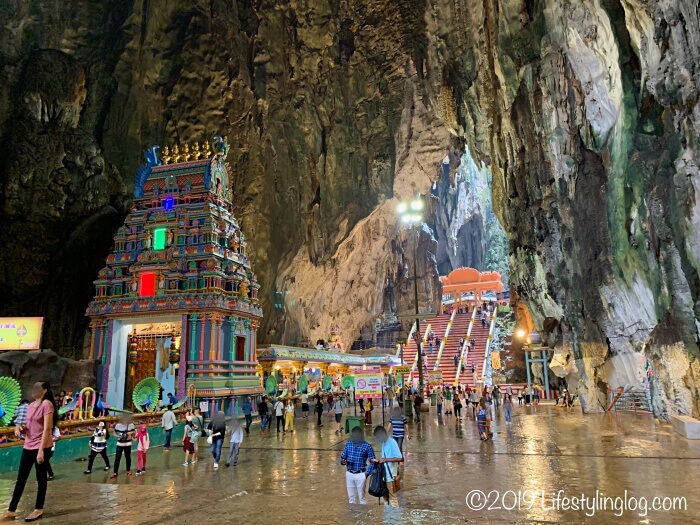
x=411 y=215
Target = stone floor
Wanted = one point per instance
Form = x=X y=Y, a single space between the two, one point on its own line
x=296 y=478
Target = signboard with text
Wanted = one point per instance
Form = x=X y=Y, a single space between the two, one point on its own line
x=403 y=369
x=368 y=383
x=435 y=378
x=20 y=333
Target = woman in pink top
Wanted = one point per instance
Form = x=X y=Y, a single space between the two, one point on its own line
x=37 y=448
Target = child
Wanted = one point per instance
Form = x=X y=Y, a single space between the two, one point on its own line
x=368 y=412
x=98 y=445
x=481 y=421
x=142 y=448
x=191 y=434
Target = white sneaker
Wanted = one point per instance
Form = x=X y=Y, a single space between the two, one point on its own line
x=216 y=466
x=185 y=464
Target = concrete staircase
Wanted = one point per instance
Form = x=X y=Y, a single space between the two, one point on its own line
x=476 y=356
x=459 y=328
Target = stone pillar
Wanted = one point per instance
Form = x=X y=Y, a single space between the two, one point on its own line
x=106 y=330
x=93 y=350
x=182 y=369
x=192 y=336
x=202 y=327
x=253 y=341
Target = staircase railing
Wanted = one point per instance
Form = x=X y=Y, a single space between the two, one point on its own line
x=408 y=340
x=464 y=351
x=486 y=371
x=444 y=339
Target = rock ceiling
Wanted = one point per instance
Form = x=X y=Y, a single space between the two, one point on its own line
x=587 y=113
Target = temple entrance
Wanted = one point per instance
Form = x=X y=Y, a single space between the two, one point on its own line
x=141 y=349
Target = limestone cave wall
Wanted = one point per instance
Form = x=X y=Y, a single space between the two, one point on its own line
x=586 y=113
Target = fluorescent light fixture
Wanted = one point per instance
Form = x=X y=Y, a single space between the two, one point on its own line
x=417 y=205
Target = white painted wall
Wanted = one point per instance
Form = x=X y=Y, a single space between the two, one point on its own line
x=118 y=365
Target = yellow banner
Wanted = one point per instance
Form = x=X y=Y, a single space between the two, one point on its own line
x=435 y=378
x=404 y=369
x=20 y=333
x=495 y=359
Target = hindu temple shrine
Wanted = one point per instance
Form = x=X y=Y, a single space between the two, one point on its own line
x=177 y=298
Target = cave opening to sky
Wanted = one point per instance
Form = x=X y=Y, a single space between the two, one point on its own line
x=467 y=230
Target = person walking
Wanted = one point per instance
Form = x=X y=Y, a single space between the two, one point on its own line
x=458 y=407
x=98 y=445
x=357 y=457
x=448 y=400
x=55 y=436
x=439 y=400
x=368 y=411
x=289 y=416
x=248 y=414
x=143 y=443
x=508 y=408
x=456 y=360
x=389 y=460
x=397 y=422
x=168 y=422
x=481 y=421
x=417 y=402
x=41 y=420
x=390 y=395
x=338 y=411
x=278 y=407
x=496 y=394
x=124 y=433
x=198 y=421
x=217 y=431
x=262 y=412
x=190 y=437
x=304 y=406
x=319 y=410
x=235 y=442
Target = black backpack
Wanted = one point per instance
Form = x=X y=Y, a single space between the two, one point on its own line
x=377 y=482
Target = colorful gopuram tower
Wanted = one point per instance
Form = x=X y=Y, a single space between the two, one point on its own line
x=178 y=299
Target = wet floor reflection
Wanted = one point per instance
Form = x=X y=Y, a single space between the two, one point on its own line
x=545 y=451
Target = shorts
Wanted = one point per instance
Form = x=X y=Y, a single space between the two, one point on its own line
x=338 y=418
x=187 y=445
x=304 y=407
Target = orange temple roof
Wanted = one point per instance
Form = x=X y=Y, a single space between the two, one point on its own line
x=471 y=280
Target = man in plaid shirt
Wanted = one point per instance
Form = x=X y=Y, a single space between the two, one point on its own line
x=21 y=413
x=357 y=456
